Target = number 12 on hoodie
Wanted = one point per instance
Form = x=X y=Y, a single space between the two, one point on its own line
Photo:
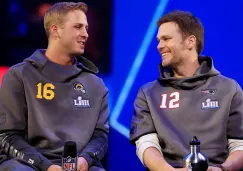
x=170 y=101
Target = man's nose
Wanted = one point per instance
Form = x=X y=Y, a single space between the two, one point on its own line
x=160 y=45
x=84 y=33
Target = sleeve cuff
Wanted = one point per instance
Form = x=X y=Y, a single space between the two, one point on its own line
x=87 y=157
x=44 y=165
x=146 y=141
x=235 y=145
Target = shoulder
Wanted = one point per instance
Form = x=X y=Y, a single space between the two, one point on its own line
x=19 y=67
x=94 y=81
x=94 y=78
x=149 y=86
x=227 y=82
x=17 y=70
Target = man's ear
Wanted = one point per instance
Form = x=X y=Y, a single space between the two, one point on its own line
x=54 y=31
x=191 y=42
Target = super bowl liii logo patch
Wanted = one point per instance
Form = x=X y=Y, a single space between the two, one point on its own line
x=69 y=164
x=210 y=104
x=80 y=102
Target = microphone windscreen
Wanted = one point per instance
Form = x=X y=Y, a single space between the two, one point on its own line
x=70 y=149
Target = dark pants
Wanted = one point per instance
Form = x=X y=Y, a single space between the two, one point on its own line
x=95 y=168
x=15 y=165
x=19 y=165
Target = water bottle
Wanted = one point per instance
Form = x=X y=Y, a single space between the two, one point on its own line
x=195 y=161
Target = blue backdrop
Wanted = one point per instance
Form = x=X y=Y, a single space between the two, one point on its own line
x=135 y=59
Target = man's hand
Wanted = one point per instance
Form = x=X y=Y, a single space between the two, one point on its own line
x=182 y=169
x=178 y=169
x=82 y=164
x=55 y=168
x=210 y=168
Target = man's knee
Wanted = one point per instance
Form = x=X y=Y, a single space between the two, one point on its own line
x=14 y=165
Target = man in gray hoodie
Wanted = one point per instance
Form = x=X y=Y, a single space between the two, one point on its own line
x=190 y=98
x=52 y=97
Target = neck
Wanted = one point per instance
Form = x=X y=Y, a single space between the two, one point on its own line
x=187 y=68
x=58 y=56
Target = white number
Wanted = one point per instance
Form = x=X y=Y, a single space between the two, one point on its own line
x=173 y=102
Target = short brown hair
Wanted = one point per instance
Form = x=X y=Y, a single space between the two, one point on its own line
x=55 y=14
x=188 y=25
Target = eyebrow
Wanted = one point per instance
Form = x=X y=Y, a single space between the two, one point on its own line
x=81 y=24
x=163 y=37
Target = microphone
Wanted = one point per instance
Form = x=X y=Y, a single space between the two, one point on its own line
x=69 y=156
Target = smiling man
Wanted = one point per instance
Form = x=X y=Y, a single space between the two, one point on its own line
x=52 y=97
x=190 y=98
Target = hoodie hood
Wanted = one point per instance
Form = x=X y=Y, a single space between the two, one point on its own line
x=205 y=71
x=58 y=72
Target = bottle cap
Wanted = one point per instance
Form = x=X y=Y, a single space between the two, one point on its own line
x=194 y=141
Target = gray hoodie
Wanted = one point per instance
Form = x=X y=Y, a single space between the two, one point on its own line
x=207 y=105
x=52 y=104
